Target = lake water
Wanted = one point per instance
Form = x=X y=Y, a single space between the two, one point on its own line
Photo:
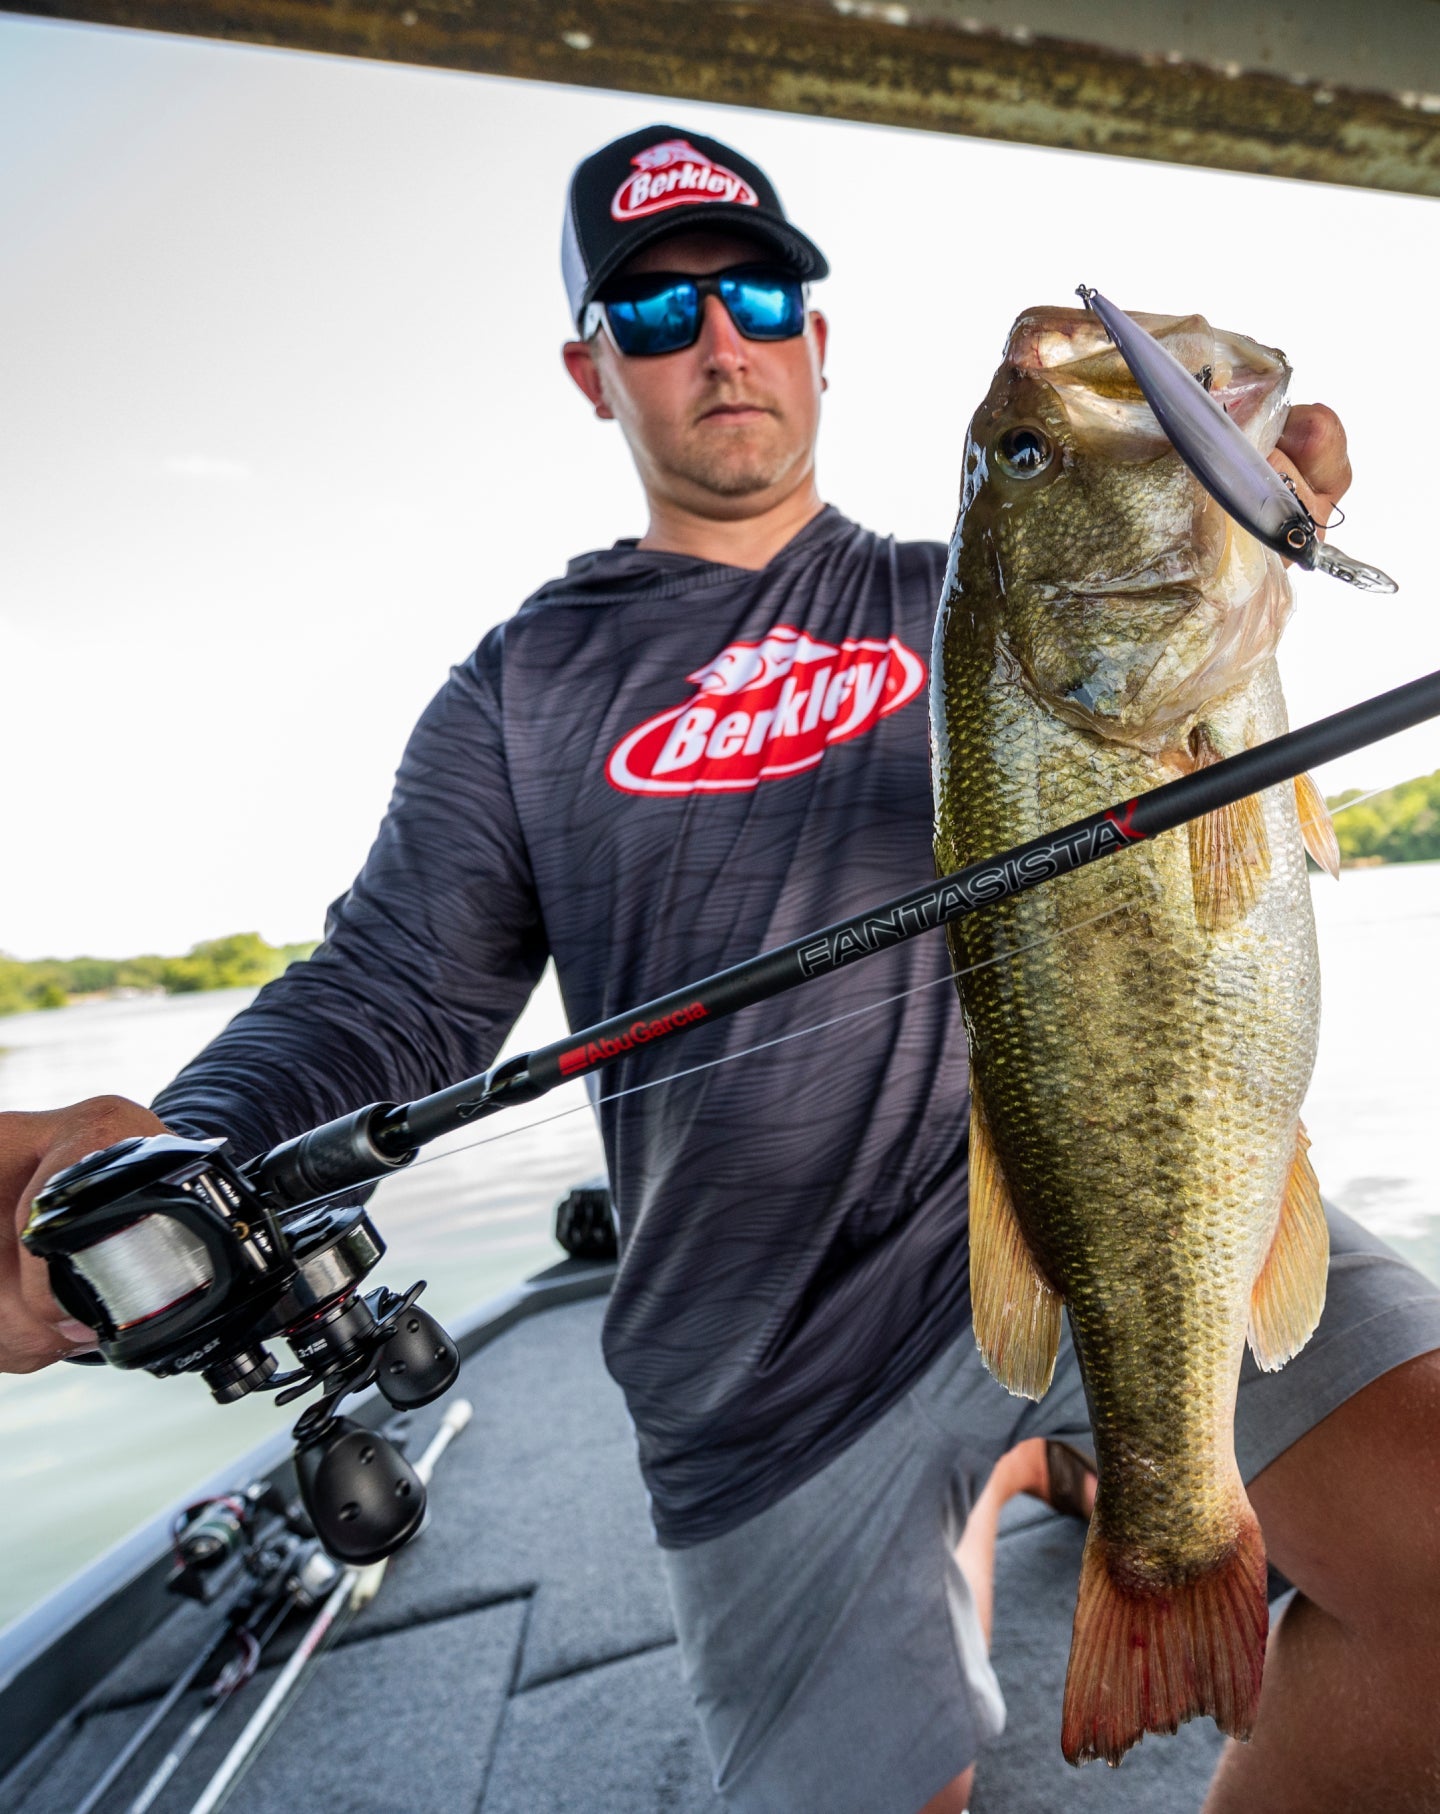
x=86 y=1455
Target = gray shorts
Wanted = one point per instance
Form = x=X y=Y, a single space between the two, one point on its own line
x=831 y=1643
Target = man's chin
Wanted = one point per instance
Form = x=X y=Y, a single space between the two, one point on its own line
x=737 y=477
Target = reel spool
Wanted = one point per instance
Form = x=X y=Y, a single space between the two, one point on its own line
x=181 y=1263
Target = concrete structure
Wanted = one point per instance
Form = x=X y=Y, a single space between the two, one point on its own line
x=1336 y=91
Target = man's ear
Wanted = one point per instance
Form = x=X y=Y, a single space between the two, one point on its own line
x=819 y=329
x=579 y=357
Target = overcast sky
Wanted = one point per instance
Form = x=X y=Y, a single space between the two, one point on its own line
x=285 y=428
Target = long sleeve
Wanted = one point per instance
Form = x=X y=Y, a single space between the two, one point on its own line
x=427 y=961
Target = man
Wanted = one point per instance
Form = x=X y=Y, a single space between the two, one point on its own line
x=689 y=748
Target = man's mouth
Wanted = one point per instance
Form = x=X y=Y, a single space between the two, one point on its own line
x=734 y=412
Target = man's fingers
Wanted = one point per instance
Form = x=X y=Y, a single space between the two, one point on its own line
x=29 y=1336
x=1312 y=448
x=32 y=1275
x=33 y=1147
x=33 y=1332
x=1317 y=503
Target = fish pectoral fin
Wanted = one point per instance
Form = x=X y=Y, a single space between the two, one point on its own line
x=1317 y=828
x=1289 y=1294
x=1017 y=1313
x=1229 y=849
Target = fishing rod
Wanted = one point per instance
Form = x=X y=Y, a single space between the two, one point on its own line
x=355 y=1589
x=382 y=1136
x=229 y=1554
x=182 y=1259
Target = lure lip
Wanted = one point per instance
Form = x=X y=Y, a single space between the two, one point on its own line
x=1235 y=473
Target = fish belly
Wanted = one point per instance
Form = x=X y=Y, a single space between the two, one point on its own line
x=1141 y=1077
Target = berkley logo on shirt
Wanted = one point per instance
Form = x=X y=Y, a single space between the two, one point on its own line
x=762 y=710
x=672 y=174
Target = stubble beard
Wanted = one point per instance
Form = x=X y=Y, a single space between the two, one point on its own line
x=736 y=471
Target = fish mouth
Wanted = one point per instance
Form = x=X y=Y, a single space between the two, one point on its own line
x=1069 y=350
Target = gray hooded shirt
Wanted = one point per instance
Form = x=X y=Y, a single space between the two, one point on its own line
x=659 y=767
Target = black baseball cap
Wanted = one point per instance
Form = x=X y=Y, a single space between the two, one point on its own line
x=661 y=180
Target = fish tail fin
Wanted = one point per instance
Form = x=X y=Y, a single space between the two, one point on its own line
x=1317 y=828
x=1148 y=1655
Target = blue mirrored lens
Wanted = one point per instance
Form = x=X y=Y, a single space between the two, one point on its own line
x=764 y=305
x=764 y=308
x=661 y=323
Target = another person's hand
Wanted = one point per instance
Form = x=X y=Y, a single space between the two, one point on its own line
x=1312 y=453
x=34 y=1330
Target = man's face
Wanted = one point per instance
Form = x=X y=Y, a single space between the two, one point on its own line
x=725 y=427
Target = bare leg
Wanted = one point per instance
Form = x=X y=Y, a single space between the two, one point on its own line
x=954 y=1798
x=1022 y=1470
x=1351 y=1514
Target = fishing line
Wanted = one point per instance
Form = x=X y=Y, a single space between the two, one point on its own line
x=779 y=1039
x=821 y=1025
x=710 y=1064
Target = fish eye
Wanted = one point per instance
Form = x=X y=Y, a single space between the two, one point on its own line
x=1024 y=453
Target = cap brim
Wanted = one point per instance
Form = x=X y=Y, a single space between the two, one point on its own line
x=802 y=255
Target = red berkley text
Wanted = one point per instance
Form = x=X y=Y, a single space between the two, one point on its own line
x=766 y=709
x=639 y=1033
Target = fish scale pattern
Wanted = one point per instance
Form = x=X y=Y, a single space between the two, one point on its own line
x=1141 y=1067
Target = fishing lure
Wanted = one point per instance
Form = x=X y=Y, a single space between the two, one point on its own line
x=1236 y=474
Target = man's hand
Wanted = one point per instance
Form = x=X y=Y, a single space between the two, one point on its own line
x=34 y=1330
x=1311 y=452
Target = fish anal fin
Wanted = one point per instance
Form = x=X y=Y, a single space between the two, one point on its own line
x=1229 y=850
x=1289 y=1293
x=1146 y=1656
x=1016 y=1312
x=1317 y=828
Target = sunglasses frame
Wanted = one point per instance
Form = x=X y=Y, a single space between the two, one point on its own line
x=706 y=286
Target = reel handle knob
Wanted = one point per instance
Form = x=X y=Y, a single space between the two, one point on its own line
x=419 y=1361
x=363 y=1497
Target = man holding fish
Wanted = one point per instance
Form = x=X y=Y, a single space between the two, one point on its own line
x=714 y=739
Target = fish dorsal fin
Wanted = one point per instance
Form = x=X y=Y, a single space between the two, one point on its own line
x=1289 y=1294
x=1317 y=828
x=1017 y=1314
x=1229 y=849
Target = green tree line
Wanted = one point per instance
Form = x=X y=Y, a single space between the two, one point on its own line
x=1402 y=825
x=243 y=960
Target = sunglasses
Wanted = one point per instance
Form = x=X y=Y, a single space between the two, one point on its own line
x=661 y=312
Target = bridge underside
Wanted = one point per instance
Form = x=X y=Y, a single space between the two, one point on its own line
x=1348 y=93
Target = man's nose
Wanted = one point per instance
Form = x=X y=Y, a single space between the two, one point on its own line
x=723 y=348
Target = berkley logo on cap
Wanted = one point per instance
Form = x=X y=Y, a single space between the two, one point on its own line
x=766 y=709
x=672 y=174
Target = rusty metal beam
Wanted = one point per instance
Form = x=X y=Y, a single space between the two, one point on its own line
x=931 y=65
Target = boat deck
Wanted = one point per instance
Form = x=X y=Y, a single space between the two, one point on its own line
x=520 y=1659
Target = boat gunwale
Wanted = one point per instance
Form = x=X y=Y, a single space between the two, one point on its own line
x=53 y=1656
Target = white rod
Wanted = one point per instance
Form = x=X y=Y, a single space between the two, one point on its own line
x=351 y=1583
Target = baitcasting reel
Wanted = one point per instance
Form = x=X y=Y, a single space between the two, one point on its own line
x=183 y=1262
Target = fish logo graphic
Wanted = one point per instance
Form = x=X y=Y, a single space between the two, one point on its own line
x=763 y=710
x=672 y=175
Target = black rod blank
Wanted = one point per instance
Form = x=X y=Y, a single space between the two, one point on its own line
x=393 y=1133
x=920 y=910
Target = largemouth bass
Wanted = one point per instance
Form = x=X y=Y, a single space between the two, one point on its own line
x=1141 y=1051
